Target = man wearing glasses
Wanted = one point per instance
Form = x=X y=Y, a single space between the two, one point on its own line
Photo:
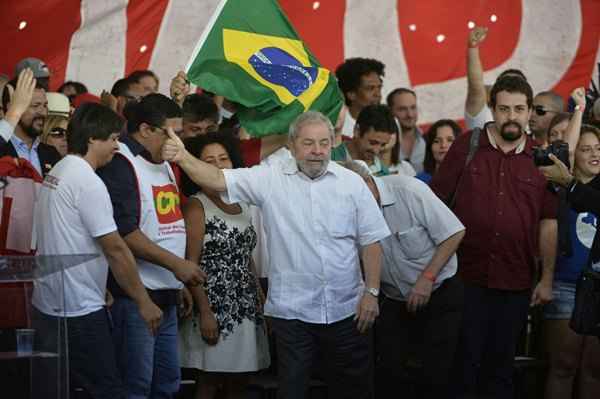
x=545 y=106
x=147 y=212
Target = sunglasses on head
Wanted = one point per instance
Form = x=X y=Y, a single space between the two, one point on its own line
x=58 y=132
x=539 y=109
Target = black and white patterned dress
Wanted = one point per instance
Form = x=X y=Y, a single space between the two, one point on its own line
x=232 y=294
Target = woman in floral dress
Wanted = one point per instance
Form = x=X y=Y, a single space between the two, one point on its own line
x=226 y=335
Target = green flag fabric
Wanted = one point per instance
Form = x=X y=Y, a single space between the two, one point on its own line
x=250 y=54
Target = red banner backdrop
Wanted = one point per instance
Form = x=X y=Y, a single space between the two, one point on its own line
x=423 y=45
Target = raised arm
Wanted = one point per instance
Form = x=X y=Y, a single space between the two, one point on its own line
x=201 y=173
x=20 y=98
x=476 y=94
x=574 y=128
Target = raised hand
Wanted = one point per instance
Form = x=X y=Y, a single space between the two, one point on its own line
x=180 y=87
x=21 y=96
x=173 y=149
x=578 y=96
x=477 y=36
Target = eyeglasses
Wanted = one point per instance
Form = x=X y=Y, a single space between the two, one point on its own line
x=540 y=111
x=58 y=132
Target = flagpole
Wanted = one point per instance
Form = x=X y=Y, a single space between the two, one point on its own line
x=205 y=33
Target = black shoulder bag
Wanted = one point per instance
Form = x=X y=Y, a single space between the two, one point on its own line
x=585 y=319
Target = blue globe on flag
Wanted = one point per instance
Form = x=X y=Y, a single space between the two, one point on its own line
x=279 y=67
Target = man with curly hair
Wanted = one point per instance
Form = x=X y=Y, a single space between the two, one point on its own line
x=360 y=79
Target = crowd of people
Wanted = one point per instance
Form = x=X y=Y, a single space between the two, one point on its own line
x=405 y=260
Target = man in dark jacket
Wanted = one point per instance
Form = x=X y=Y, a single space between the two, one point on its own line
x=24 y=141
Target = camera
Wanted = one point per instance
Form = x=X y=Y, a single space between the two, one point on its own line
x=559 y=149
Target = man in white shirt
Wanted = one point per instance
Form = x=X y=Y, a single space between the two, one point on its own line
x=421 y=295
x=316 y=215
x=74 y=216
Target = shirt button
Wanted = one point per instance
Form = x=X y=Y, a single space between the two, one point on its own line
x=500 y=193
x=497 y=234
x=500 y=213
x=502 y=174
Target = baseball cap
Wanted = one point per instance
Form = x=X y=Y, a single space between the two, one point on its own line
x=37 y=66
x=58 y=104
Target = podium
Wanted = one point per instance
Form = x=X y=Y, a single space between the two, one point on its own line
x=34 y=359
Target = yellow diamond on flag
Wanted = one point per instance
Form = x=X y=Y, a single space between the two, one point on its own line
x=278 y=63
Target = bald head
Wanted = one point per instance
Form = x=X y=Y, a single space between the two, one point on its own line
x=546 y=105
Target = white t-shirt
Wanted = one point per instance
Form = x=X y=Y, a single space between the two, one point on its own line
x=73 y=209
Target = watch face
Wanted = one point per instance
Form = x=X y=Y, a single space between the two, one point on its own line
x=373 y=291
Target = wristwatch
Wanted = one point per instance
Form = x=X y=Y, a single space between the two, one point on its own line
x=373 y=291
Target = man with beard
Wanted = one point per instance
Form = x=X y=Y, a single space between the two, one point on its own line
x=510 y=216
x=403 y=103
x=316 y=216
x=25 y=142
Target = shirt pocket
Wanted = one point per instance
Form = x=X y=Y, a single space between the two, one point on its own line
x=341 y=220
x=414 y=243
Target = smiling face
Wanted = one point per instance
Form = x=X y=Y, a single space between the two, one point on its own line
x=371 y=144
x=32 y=120
x=587 y=157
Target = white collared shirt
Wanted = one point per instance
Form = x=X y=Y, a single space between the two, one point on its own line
x=314 y=231
x=419 y=222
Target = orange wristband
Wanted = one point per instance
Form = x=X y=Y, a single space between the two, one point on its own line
x=429 y=276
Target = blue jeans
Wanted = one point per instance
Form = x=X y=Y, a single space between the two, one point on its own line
x=149 y=364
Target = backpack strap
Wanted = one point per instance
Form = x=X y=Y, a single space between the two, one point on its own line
x=473 y=147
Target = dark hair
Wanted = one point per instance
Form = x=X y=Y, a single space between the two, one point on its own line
x=401 y=90
x=352 y=70
x=91 y=121
x=121 y=87
x=511 y=84
x=429 y=162
x=558 y=118
x=512 y=72
x=77 y=86
x=377 y=117
x=136 y=76
x=154 y=110
x=195 y=146
x=13 y=84
x=198 y=107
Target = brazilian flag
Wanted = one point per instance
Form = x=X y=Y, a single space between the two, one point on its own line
x=250 y=54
